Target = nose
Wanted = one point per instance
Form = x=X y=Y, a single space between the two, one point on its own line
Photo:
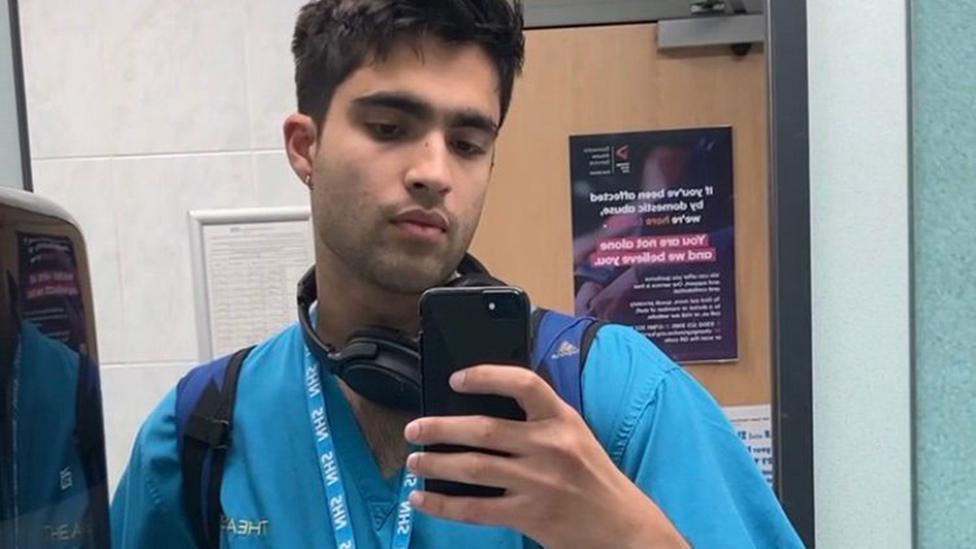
x=430 y=172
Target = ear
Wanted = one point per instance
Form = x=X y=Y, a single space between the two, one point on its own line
x=300 y=140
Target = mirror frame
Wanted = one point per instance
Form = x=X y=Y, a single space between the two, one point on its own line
x=789 y=180
x=20 y=95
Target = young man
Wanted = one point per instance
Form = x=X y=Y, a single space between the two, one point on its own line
x=399 y=106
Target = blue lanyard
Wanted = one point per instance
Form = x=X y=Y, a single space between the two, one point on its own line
x=335 y=493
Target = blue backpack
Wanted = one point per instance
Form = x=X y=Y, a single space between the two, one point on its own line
x=205 y=409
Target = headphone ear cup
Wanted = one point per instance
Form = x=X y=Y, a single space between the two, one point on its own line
x=382 y=365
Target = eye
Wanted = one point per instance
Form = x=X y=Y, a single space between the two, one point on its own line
x=384 y=131
x=467 y=148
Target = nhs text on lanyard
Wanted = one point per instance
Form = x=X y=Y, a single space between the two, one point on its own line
x=335 y=493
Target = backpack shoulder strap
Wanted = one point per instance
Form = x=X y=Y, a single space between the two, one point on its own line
x=560 y=344
x=204 y=412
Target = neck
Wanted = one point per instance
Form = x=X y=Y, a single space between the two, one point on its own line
x=383 y=430
x=349 y=302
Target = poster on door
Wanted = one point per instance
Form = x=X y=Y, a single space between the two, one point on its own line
x=50 y=293
x=654 y=238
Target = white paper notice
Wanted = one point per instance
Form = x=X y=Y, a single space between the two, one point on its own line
x=252 y=272
x=754 y=426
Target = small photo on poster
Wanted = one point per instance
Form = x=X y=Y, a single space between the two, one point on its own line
x=653 y=237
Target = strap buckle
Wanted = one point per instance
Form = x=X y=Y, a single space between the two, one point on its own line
x=213 y=432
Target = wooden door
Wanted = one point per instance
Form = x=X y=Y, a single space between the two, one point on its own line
x=612 y=79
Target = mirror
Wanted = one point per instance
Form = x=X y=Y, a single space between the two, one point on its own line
x=53 y=487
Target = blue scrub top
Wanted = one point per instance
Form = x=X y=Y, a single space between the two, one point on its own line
x=52 y=491
x=661 y=428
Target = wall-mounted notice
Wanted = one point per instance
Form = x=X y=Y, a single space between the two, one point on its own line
x=653 y=237
x=754 y=426
x=247 y=264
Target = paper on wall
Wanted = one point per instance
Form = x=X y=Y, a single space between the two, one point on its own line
x=754 y=426
x=252 y=270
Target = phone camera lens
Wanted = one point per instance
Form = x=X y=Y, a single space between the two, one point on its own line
x=502 y=305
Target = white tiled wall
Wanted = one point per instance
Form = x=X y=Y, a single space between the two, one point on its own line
x=139 y=111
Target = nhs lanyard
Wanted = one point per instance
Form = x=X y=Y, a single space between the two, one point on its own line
x=335 y=493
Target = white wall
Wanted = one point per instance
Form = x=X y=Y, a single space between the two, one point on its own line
x=860 y=227
x=140 y=111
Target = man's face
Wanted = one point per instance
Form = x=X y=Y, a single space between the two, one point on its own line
x=402 y=164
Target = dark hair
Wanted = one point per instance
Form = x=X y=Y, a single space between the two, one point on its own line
x=333 y=38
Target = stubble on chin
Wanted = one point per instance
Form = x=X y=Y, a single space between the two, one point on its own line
x=405 y=273
x=398 y=267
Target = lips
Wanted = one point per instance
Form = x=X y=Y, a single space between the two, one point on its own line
x=423 y=218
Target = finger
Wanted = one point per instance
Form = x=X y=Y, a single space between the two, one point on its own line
x=501 y=435
x=473 y=510
x=532 y=393
x=472 y=468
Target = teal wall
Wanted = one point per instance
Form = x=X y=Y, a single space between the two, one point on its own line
x=944 y=249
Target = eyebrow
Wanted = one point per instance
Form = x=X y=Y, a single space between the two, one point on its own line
x=409 y=104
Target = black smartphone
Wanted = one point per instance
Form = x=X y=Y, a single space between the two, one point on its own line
x=462 y=327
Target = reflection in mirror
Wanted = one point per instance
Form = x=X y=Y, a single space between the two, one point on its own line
x=53 y=490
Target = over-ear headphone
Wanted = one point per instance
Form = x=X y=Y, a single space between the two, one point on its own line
x=381 y=364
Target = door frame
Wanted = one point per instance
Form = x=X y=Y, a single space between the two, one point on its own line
x=792 y=330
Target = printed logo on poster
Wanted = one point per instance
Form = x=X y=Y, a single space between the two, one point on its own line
x=621 y=159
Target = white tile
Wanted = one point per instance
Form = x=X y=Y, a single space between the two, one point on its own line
x=68 y=81
x=178 y=70
x=154 y=197
x=276 y=183
x=129 y=394
x=270 y=68
x=84 y=189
